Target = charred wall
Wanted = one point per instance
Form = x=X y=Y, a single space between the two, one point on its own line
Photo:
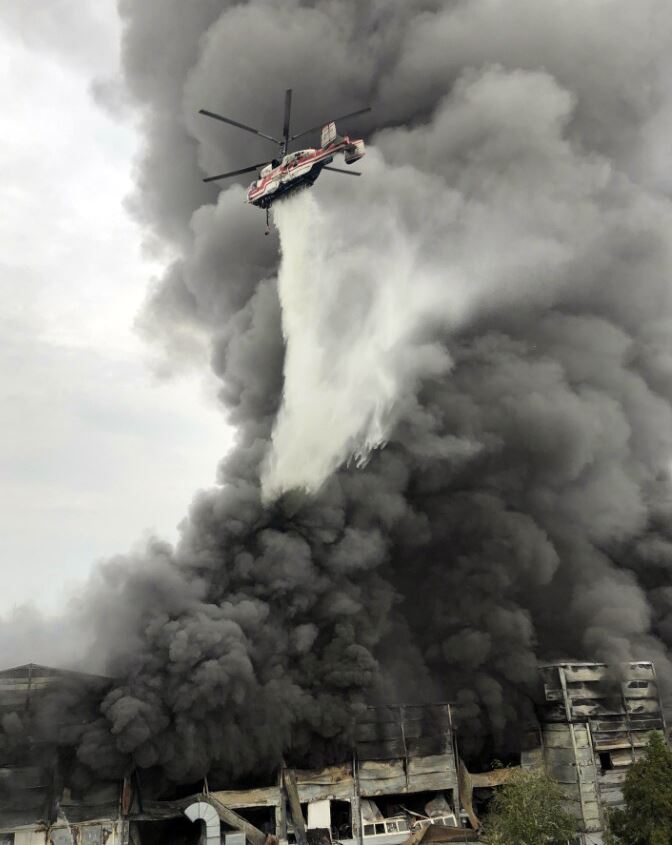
x=595 y=723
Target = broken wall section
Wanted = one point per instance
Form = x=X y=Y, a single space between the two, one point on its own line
x=404 y=761
x=407 y=762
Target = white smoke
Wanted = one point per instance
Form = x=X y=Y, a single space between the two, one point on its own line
x=345 y=286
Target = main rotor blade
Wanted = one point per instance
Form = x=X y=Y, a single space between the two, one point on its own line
x=285 y=126
x=338 y=170
x=333 y=120
x=234 y=172
x=251 y=129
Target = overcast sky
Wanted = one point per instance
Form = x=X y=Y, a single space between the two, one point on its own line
x=94 y=451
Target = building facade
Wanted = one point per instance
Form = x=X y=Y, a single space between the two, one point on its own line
x=594 y=724
x=404 y=775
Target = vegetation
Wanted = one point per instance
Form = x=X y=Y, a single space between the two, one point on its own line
x=646 y=818
x=529 y=810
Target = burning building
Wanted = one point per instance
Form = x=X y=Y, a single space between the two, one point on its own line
x=42 y=711
x=595 y=723
x=405 y=776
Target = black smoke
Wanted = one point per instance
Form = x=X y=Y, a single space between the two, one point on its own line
x=519 y=509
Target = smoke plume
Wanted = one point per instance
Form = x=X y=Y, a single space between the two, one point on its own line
x=483 y=319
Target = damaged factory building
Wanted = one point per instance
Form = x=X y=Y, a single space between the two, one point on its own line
x=595 y=723
x=405 y=781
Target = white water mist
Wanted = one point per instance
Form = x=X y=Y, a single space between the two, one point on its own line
x=342 y=284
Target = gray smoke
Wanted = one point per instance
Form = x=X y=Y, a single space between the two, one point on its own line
x=519 y=509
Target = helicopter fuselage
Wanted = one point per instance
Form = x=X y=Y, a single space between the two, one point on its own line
x=299 y=169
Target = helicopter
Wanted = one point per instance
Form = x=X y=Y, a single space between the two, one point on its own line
x=292 y=171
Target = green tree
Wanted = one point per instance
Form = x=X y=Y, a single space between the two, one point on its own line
x=529 y=810
x=646 y=818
